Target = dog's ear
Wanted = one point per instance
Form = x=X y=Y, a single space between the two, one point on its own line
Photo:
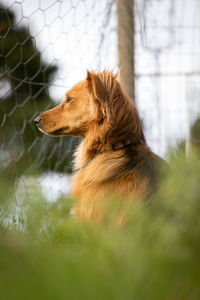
x=97 y=87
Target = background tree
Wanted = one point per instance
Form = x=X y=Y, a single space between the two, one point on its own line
x=194 y=140
x=195 y=135
x=24 y=82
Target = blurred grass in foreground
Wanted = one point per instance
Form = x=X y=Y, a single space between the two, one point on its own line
x=45 y=254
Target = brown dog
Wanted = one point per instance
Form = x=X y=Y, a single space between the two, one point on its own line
x=113 y=156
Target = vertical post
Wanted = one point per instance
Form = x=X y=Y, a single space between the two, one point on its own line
x=126 y=29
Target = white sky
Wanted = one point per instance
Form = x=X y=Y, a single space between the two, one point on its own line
x=69 y=33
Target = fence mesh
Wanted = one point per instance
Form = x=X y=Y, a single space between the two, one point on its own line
x=46 y=47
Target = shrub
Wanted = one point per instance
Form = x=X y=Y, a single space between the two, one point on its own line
x=46 y=254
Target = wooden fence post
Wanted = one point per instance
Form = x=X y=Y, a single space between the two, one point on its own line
x=126 y=24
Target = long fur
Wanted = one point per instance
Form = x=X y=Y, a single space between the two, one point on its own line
x=101 y=167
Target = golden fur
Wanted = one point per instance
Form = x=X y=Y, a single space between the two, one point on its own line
x=106 y=118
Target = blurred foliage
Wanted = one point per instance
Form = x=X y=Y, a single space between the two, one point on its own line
x=195 y=135
x=194 y=138
x=46 y=254
x=24 y=80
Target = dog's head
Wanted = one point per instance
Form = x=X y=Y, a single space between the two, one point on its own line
x=96 y=103
x=84 y=104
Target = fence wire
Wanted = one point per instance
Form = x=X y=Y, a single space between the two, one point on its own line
x=46 y=47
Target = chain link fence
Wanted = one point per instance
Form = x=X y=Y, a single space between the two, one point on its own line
x=46 y=47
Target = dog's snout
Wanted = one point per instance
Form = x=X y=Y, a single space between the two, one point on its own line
x=37 y=120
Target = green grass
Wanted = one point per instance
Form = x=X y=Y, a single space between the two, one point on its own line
x=45 y=254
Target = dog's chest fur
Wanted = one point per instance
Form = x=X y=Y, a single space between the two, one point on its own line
x=118 y=172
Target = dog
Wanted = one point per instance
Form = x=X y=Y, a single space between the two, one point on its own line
x=113 y=157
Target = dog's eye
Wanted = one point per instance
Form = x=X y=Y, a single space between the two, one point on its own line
x=69 y=99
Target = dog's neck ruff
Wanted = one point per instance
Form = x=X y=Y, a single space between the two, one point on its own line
x=115 y=147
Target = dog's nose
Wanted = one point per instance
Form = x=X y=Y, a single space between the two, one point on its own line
x=37 y=120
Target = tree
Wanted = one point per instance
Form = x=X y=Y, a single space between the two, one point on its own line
x=194 y=139
x=195 y=135
x=25 y=78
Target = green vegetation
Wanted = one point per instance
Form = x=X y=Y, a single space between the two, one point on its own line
x=24 y=80
x=195 y=135
x=195 y=138
x=46 y=254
